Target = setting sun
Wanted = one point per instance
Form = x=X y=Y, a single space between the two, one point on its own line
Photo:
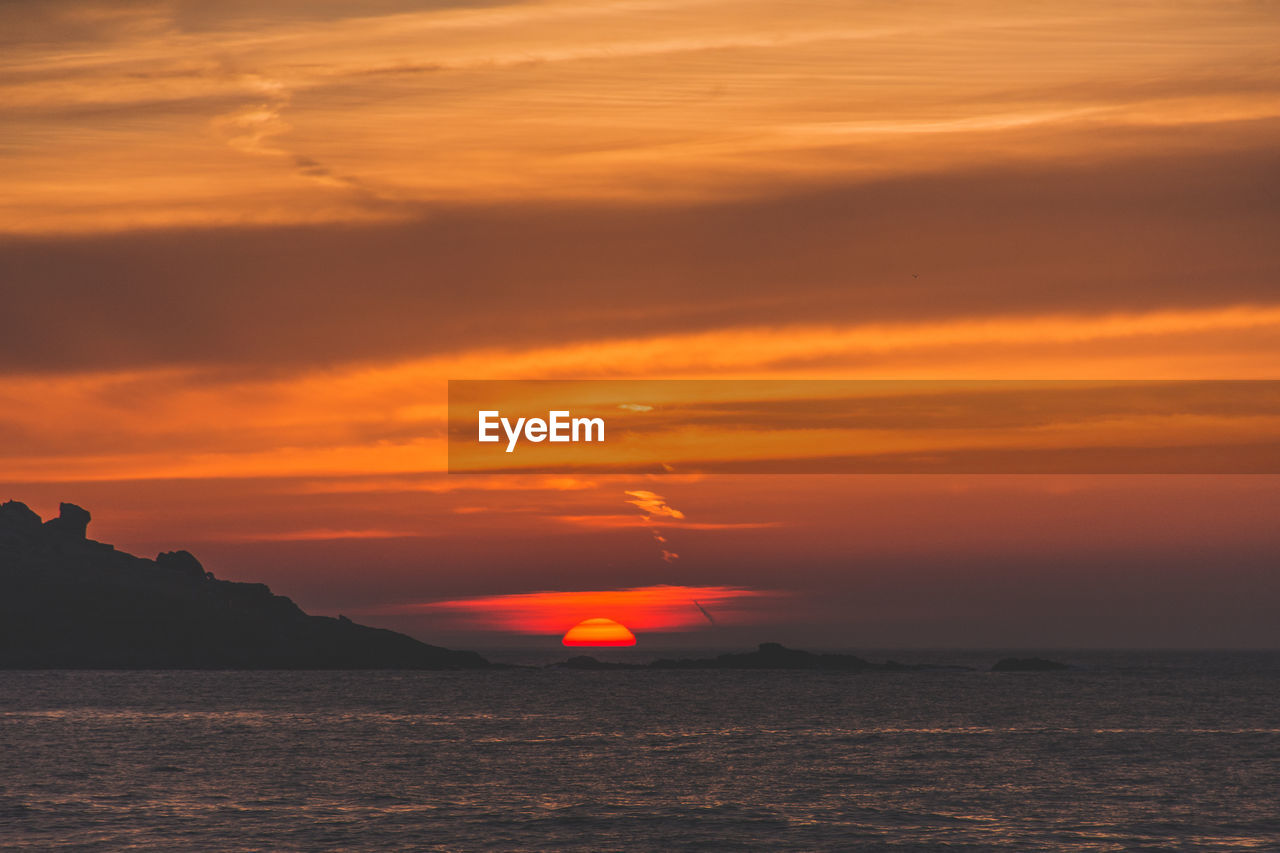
x=599 y=632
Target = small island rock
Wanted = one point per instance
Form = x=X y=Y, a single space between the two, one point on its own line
x=1028 y=665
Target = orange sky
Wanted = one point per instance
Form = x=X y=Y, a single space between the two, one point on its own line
x=244 y=245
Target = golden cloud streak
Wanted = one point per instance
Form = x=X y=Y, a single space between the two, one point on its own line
x=612 y=522
x=651 y=608
x=592 y=101
x=389 y=419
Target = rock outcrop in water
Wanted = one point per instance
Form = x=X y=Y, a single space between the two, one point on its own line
x=766 y=656
x=68 y=602
x=770 y=656
x=1028 y=665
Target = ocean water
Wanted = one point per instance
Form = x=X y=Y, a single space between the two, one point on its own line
x=1136 y=751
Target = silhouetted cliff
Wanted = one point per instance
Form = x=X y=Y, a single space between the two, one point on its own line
x=67 y=601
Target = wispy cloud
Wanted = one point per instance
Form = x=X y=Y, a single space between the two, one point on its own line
x=652 y=505
x=699 y=95
x=439 y=485
x=363 y=428
x=655 y=506
x=606 y=521
x=318 y=534
x=650 y=608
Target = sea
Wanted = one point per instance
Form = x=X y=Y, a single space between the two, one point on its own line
x=1128 y=751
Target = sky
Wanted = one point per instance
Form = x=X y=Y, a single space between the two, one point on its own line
x=244 y=246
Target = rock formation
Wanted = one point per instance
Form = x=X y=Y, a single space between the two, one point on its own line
x=72 y=522
x=766 y=656
x=67 y=601
x=1028 y=665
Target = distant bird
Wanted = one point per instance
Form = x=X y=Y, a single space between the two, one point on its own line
x=915 y=275
x=704 y=612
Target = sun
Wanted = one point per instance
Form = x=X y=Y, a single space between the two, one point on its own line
x=599 y=632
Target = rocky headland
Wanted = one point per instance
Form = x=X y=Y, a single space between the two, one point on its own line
x=69 y=602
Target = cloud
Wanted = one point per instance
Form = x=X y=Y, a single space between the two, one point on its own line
x=261 y=129
x=1097 y=239
x=252 y=128
x=440 y=485
x=649 y=608
x=371 y=426
x=605 y=521
x=317 y=534
x=653 y=505
x=623 y=105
